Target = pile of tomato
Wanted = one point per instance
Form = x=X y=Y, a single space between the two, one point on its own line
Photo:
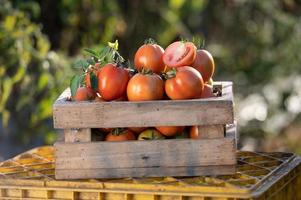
x=179 y=72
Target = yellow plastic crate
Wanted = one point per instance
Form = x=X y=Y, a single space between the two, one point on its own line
x=259 y=176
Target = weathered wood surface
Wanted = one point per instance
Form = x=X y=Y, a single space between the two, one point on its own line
x=172 y=157
x=211 y=131
x=186 y=152
x=210 y=111
x=144 y=172
x=78 y=135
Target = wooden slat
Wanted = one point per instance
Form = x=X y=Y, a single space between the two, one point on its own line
x=128 y=154
x=211 y=131
x=211 y=111
x=78 y=135
x=144 y=172
x=231 y=131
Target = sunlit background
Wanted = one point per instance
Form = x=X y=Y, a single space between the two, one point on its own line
x=256 y=44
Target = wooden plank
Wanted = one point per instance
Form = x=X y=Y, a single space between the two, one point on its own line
x=231 y=131
x=210 y=111
x=155 y=153
x=144 y=172
x=78 y=135
x=211 y=131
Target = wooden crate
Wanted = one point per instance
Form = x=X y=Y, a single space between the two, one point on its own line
x=78 y=157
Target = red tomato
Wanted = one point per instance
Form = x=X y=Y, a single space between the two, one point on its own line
x=145 y=87
x=194 y=132
x=207 y=92
x=112 y=81
x=187 y=84
x=149 y=56
x=84 y=94
x=204 y=63
x=179 y=54
x=170 y=130
x=123 y=136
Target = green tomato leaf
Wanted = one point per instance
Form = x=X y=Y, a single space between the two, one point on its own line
x=94 y=81
x=91 y=61
x=81 y=64
x=92 y=52
x=75 y=83
x=104 y=53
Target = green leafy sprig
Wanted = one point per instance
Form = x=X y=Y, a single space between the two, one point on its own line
x=98 y=58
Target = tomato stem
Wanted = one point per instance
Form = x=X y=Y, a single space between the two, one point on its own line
x=199 y=42
x=146 y=71
x=150 y=41
x=118 y=131
x=169 y=74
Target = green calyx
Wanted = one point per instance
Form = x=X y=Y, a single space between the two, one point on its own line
x=198 y=41
x=150 y=41
x=146 y=71
x=117 y=131
x=170 y=74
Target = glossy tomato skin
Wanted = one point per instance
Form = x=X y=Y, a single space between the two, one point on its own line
x=194 y=132
x=84 y=94
x=112 y=82
x=124 y=136
x=149 y=56
x=187 y=84
x=204 y=63
x=207 y=92
x=179 y=54
x=145 y=87
x=170 y=130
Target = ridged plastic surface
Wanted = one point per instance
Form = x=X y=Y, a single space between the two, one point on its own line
x=259 y=176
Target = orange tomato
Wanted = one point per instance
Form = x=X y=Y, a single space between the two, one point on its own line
x=149 y=56
x=123 y=136
x=137 y=130
x=112 y=82
x=204 y=63
x=186 y=84
x=207 y=92
x=170 y=130
x=194 y=132
x=145 y=87
x=84 y=94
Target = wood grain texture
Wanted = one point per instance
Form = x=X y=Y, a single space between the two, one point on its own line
x=184 y=157
x=144 y=172
x=166 y=153
x=210 y=111
x=78 y=135
x=211 y=131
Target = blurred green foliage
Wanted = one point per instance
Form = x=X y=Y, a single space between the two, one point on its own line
x=255 y=43
x=31 y=76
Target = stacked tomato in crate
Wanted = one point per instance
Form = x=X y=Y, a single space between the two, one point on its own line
x=163 y=117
